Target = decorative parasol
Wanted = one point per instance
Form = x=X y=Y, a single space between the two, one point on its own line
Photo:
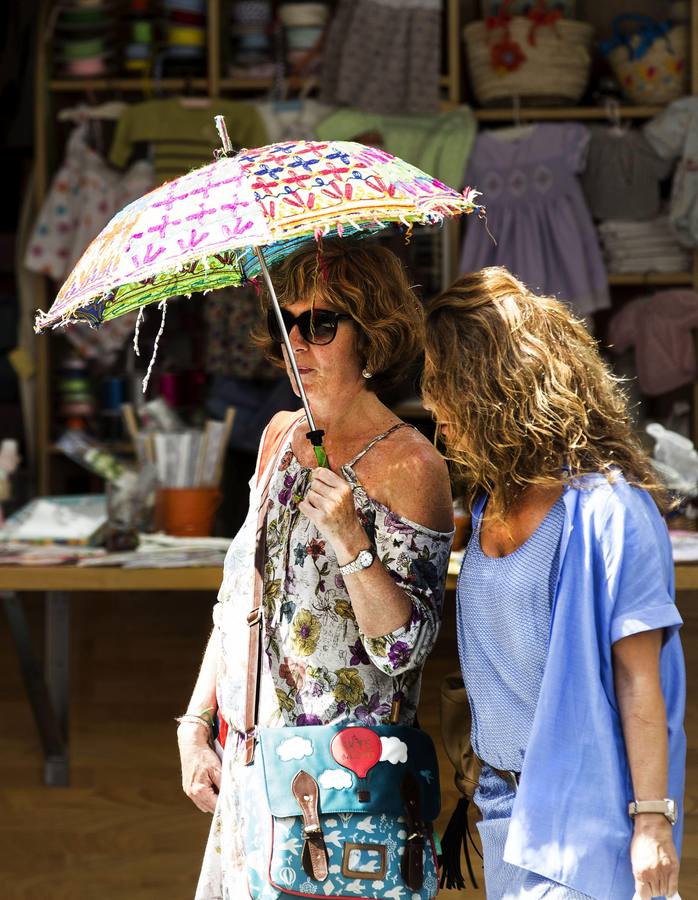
x=206 y=229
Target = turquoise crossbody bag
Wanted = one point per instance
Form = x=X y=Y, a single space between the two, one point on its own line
x=351 y=813
x=351 y=807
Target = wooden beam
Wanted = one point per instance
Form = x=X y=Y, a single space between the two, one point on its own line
x=454 y=56
x=214 y=48
x=43 y=362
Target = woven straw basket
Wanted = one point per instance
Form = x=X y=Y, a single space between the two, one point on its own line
x=660 y=75
x=555 y=69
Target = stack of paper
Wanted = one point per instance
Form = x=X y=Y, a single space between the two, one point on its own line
x=78 y=519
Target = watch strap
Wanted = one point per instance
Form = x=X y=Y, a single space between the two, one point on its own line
x=664 y=807
x=355 y=565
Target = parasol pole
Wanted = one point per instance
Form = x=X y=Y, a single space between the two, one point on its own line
x=315 y=435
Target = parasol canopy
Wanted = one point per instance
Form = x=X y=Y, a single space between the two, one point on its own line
x=224 y=223
x=201 y=231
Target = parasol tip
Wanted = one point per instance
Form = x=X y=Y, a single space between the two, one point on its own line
x=223 y=134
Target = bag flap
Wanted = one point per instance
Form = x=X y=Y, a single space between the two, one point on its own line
x=385 y=753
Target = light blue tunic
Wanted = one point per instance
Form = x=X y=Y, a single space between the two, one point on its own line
x=569 y=821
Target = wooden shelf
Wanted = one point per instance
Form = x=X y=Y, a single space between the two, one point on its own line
x=136 y=85
x=508 y=113
x=149 y=85
x=652 y=278
x=295 y=83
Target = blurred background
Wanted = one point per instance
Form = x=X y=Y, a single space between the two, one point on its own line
x=578 y=122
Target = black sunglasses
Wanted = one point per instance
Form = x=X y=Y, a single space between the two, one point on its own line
x=316 y=326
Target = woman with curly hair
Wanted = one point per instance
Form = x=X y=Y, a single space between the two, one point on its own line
x=567 y=628
x=355 y=556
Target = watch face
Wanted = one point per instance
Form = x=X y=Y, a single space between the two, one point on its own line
x=365 y=558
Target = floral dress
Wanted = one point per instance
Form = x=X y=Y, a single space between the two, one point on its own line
x=317 y=668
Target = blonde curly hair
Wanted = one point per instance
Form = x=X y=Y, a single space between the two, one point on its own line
x=521 y=386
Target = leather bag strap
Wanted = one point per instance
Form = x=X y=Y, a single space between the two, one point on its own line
x=411 y=865
x=272 y=446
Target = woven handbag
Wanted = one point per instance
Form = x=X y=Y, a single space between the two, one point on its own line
x=546 y=64
x=649 y=58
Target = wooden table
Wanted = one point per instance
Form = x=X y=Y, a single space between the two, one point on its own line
x=48 y=687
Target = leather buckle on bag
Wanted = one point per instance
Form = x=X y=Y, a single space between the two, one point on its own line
x=315 y=858
x=250 y=742
x=254 y=616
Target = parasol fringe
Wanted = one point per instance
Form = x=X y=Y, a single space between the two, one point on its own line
x=137 y=332
x=163 y=306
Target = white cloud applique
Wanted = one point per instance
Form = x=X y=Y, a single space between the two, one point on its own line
x=394 y=750
x=294 y=748
x=335 y=779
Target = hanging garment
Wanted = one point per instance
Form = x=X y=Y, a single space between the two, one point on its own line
x=183 y=137
x=384 y=56
x=292 y=120
x=438 y=144
x=83 y=196
x=674 y=135
x=231 y=314
x=622 y=174
x=659 y=328
x=537 y=215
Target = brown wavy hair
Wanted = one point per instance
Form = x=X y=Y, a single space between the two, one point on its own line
x=368 y=282
x=524 y=391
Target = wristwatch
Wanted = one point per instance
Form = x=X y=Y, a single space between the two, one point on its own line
x=668 y=808
x=362 y=561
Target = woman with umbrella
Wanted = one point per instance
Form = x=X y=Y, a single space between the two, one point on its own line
x=355 y=554
x=567 y=628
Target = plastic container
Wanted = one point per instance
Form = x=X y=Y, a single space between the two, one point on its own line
x=187 y=512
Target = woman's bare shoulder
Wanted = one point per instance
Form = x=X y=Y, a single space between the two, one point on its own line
x=406 y=473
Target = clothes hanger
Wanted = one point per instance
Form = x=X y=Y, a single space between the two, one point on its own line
x=83 y=112
x=612 y=107
x=93 y=115
x=518 y=129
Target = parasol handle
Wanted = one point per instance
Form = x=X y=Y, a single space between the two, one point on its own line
x=315 y=435
x=315 y=438
x=224 y=136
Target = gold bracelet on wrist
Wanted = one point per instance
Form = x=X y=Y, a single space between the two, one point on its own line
x=194 y=719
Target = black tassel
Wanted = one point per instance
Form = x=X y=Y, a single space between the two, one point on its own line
x=455 y=837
